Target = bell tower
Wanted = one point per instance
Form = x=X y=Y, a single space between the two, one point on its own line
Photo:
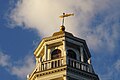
x=62 y=56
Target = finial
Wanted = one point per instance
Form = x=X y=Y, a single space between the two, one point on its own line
x=62 y=28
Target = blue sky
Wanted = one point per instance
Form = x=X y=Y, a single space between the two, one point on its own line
x=23 y=23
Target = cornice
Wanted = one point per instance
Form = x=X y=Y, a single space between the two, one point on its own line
x=47 y=72
x=83 y=73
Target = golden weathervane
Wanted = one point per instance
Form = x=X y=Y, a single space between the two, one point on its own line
x=65 y=15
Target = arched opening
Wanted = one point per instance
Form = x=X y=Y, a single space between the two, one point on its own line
x=56 y=54
x=71 y=54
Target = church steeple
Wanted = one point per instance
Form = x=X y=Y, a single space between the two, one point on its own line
x=63 y=56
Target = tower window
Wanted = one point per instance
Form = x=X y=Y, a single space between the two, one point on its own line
x=56 y=54
x=71 y=54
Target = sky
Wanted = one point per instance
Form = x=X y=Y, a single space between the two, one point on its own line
x=23 y=24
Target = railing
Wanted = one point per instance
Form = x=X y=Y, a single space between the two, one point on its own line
x=79 y=65
x=51 y=64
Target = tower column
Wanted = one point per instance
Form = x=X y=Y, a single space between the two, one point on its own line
x=46 y=52
x=82 y=57
x=81 y=51
x=64 y=52
x=48 y=55
x=37 y=60
x=38 y=64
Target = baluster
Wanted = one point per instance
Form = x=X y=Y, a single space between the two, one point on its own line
x=62 y=62
x=58 y=63
x=48 y=65
x=52 y=64
x=69 y=62
x=55 y=63
x=42 y=66
x=85 y=67
x=88 y=69
x=45 y=66
x=82 y=67
x=79 y=65
x=75 y=64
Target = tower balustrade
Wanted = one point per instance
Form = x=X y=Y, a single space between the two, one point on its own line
x=56 y=63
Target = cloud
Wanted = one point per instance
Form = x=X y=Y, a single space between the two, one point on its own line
x=117 y=65
x=111 y=72
x=18 y=68
x=27 y=66
x=107 y=76
x=96 y=21
x=4 y=60
x=106 y=34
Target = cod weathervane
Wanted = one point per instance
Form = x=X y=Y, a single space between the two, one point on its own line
x=62 y=28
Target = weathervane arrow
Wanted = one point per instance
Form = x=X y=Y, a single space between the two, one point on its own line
x=65 y=15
